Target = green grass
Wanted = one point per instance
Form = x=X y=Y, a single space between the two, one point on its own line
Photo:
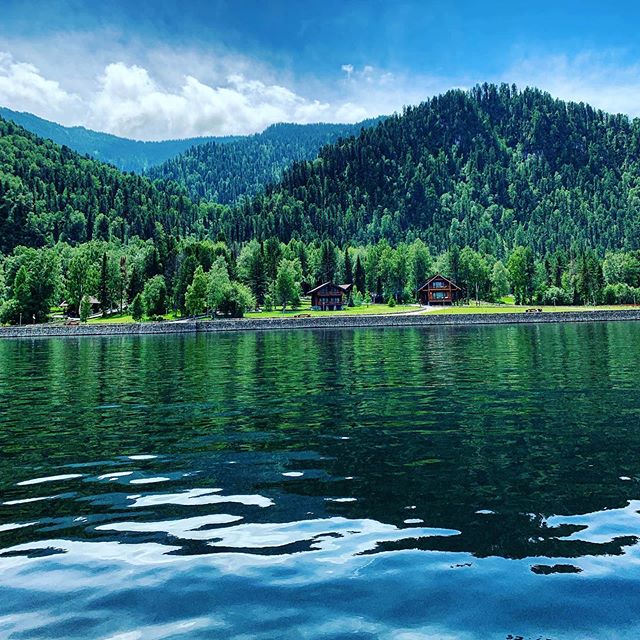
x=511 y=308
x=382 y=309
x=306 y=309
x=361 y=310
x=126 y=318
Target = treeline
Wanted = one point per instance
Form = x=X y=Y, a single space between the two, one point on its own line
x=225 y=172
x=492 y=168
x=193 y=277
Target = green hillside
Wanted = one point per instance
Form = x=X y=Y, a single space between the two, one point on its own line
x=49 y=193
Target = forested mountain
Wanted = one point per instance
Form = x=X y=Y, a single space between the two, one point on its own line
x=128 y=155
x=49 y=193
x=225 y=172
x=491 y=168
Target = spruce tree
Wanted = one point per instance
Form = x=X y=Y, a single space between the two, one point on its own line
x=104 y=285
x=136 y=308
x=360 y=277
x=348 y=269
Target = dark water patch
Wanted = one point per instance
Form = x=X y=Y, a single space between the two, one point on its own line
x=545 y=569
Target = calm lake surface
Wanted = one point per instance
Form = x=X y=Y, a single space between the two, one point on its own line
x=472 y=482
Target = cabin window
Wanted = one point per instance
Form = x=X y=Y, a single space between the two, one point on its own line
x=438 y=284
x=439 y=295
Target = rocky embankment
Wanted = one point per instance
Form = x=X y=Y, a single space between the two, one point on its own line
x=316 y=322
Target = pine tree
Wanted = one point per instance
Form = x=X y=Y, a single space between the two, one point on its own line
x=328 y=262
x=136 y=308
x=348 y=269
x=360 y=278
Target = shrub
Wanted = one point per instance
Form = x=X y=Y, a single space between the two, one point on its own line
x=620 y=293
x=392 y=301
x=154 y=296
x=10 y=312
x=236 y=300
x=555 y=295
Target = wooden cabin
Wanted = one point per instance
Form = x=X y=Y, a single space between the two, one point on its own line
x=439 y=290
x=330 y=296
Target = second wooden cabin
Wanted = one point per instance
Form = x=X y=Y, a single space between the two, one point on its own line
x=439 y=290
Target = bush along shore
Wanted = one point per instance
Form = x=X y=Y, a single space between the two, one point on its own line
x=328 y=322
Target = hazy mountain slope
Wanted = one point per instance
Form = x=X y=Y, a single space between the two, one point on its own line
x=128 y=155
x=225 y=172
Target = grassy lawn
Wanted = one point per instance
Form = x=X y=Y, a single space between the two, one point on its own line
x=361 y=310
x=511 y=308
x=305 y=309
x=125 y=317
x=381 y=309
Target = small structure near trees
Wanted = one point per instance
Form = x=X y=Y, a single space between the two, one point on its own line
x=439 y=290
x=93 y=305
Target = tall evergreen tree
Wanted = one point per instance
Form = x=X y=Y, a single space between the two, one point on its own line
x=105 y=303
x=360 y=278
x=348 y=269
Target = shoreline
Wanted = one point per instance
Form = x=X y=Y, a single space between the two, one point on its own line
x=329 y=322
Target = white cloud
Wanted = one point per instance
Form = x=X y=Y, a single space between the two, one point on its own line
x=22 y=84
x=133 y=104
x=131 y=100
x=158 y=92
x=348 y=69
x=603 y=80
x=350 y=112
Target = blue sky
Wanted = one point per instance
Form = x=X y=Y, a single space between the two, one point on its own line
x=157 y=69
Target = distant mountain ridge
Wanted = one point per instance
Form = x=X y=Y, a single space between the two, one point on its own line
x=226 y=172
x=126 y=154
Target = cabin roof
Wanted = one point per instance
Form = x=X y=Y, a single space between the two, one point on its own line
x=439 y=276
x=344 y=287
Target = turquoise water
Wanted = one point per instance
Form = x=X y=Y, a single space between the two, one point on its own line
x=478 y=482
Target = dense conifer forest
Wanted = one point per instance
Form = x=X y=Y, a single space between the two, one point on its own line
x=491 y=168
x=505 y=191
x=49 y=193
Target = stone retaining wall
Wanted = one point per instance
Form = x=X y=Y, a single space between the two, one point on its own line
x=328 y=322
x=427 y=319
x=107 y=329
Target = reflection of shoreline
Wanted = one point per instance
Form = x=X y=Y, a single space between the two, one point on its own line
x=329 y=322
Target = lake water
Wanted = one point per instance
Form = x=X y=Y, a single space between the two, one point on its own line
x=472 y=482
